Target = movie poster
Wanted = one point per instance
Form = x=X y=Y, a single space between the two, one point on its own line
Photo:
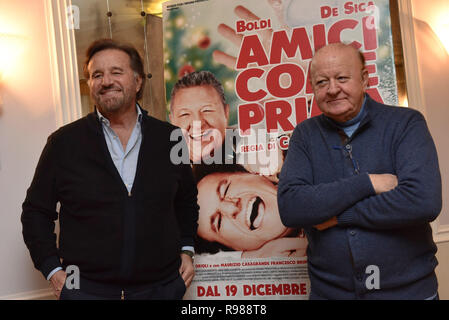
x=254 y=56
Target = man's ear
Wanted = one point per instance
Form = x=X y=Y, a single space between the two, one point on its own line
x=138 y=80
x=365 y=78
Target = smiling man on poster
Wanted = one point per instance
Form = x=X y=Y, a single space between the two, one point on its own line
x=363 y=181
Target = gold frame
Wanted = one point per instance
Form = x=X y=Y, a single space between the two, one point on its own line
x=398 y=53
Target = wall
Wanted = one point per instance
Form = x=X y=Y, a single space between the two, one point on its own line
x=433 y=61
x=27 y=117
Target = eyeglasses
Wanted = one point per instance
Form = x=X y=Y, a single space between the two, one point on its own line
x=347 y=149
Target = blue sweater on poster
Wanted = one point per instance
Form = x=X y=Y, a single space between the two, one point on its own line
x=390 y=231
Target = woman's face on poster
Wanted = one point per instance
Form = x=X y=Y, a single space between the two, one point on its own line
x=238 y=210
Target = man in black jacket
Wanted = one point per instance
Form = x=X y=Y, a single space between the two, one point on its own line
x=128 y=215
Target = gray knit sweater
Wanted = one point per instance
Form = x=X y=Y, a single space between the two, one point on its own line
x=326 y=174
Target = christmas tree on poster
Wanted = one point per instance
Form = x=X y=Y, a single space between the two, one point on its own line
x=187 y=49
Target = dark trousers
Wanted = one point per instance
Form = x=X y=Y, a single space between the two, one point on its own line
x=170 y=289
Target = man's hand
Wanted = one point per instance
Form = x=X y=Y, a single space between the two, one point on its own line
x=326 y=225
x=383 y=182
x=186 y=270
x=57 y=282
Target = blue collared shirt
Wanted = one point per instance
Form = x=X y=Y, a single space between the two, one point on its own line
x=125 y=160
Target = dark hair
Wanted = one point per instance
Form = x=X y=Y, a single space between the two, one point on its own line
x=196 y=79
x=202 y=170
x=205 y=246
x=135 y=59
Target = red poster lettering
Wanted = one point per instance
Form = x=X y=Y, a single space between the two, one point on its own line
x=278 y=112
x=249 y=114
x=296 y=80
x=251 y=51
x=241 y=85
x=299 y=40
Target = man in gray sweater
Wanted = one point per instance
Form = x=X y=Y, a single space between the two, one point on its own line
x=363 y=181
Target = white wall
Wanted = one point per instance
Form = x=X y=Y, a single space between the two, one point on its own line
x=27 y=117
x=433 y=61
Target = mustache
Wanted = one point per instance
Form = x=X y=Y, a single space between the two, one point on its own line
x=105 y=89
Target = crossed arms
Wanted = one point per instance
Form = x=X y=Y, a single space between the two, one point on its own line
x=409 y=197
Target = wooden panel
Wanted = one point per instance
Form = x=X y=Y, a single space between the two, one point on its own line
x=126 y=25
x=154 y=93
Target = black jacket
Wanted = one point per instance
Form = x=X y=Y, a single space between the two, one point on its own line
x=111 y=235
